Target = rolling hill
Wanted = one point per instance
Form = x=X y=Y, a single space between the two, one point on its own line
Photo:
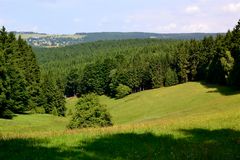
x=187 y=121
x=54 y=40
x=192 y=99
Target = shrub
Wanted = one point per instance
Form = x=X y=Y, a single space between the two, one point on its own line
x=7 y=114
x=39 y=110
x=70 y=112
x=55 y=111
x=122 y=91
x=171 y=78
x=89 y=113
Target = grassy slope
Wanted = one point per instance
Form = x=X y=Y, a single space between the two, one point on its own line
x=181 y=100
x=188 y=121
x=30 y=123
x=178 y=102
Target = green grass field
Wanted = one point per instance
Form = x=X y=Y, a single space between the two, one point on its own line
x=187 y=121
x=177 y=101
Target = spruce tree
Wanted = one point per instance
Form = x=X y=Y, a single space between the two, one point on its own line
x=235 y=51
x=19 y=76
x=182 y=62
x=73 y=81
x=4 y=88
x=52 y=97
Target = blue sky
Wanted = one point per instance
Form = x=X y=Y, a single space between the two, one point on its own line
x=160 y=16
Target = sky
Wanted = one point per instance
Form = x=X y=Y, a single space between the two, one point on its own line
x=158 y=16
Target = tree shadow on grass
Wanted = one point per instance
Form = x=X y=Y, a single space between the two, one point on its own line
x=197 y=144
x=224 y=90
x=35 y=149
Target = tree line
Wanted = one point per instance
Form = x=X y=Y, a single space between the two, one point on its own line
x=213 y=60
x=22 y=88
x=119 y=76
x=104 y=67
x=60 y=61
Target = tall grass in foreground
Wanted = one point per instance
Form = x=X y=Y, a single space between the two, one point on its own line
x=202 y=137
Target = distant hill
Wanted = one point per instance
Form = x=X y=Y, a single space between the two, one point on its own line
x=89 y=37
x=51 y=40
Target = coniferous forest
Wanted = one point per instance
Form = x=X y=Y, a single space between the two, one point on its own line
x=114 y=68
x=22 y=89
x=108 y=67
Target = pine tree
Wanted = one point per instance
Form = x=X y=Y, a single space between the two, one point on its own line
x=205 y=57
x=156 y=73
x=14 y=84
x=182 y=63
x=3 y=38
x=73 y=81
x=52 y=97
x=26 y=61
x=170 y=78
x=193 y=59
x=4 y=88
x=235 y=52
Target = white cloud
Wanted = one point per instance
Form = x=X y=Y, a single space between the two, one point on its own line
x=150 y=21
x=192 y=9
x=170 y=26
x=196 y=28
x=167 y=28
x=103 y=21
x=35 y=28
x=76 y=20
x=232 y=7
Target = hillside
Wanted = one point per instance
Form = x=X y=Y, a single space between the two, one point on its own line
x=202 y=123
x=54 y=40
x=192 y=99
x=91 y=37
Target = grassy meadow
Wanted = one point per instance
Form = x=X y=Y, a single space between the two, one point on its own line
x=187 y=121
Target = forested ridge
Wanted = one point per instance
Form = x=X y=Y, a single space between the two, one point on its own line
x=58 y=60
x=92 y=37
x=57 y=40
x=107 y=56
x=118 y=68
